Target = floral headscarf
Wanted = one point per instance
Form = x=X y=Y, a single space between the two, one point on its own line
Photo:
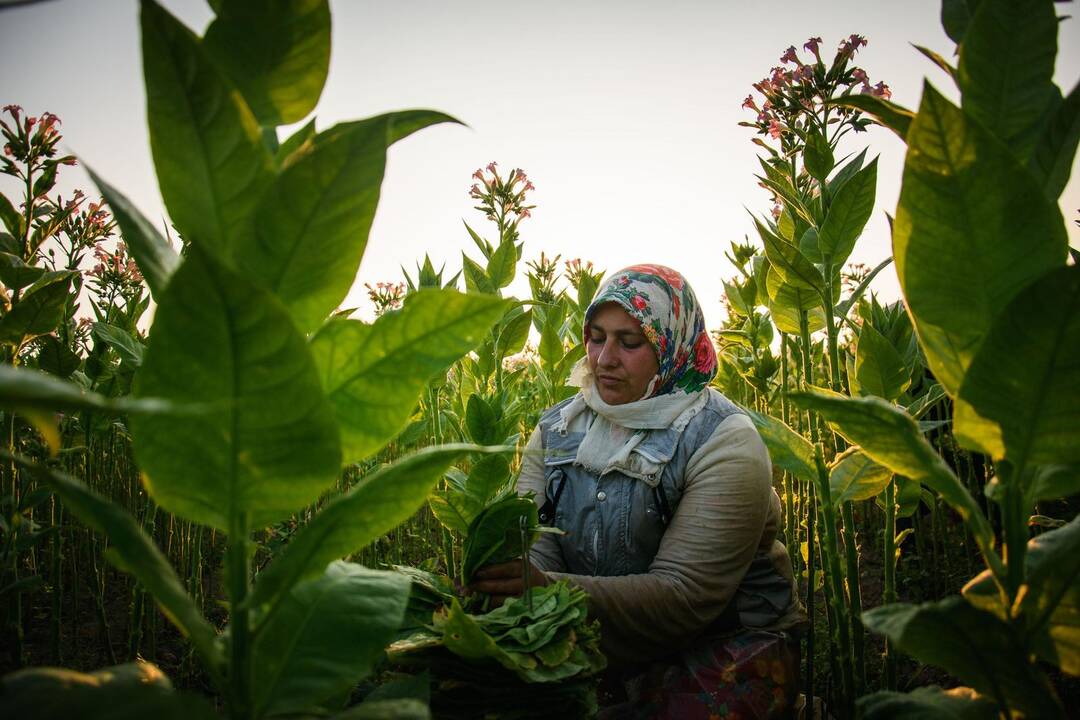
x=662 y=301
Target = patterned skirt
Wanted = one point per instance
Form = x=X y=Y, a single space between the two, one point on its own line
x=753 y=674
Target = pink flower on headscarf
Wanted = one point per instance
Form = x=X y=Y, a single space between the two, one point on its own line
x=704 y=354
x=638 y=302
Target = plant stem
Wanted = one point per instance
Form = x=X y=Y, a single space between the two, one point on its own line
x=239 y=563
x=889 y=592
x=834 y=576
x=804 y=331
x=854 y=597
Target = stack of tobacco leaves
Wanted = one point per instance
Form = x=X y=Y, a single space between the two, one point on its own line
x=511 y=662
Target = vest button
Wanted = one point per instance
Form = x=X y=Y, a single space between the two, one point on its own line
x=601 y=496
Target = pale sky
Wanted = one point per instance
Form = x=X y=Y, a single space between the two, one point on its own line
x=623 y=113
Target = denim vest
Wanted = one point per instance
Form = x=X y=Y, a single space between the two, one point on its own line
x=613 y=523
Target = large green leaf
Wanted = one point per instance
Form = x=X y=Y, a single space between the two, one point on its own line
x=56 y=358
x=374 y=374
x=487 y=477
x=1006 y=69
x=212 y=165
x=1051 y=482
x=494 y=535
x=878 y=366
x=956 y=16
x=476 y=280
x=129 y=349
x=514 y=333
x=15 y=274
x=788 y=296
x=855 y=476
x=786 y=259
x=500 y=268
x=787 y=300
x=1052 y=159
x=1051 y=603
x=281 y=69
x=132 y=550
x=972 y=229
x=481 y=421
x=928 y=703
x=1053 y=598
x=887 y=114
x=133 y=691
x=891 y=437
x=452 y=507
x=373 y=507
x=12 y=219
x=312 y=224
x=267 y=443
x=818 y=156
x=27 y=389
x=974 y=646
x=39 y=310
x=847 y=216
x=551 y=343
x=327 y=634
x=155 y=257
x=1019 y=398
x=788 y=449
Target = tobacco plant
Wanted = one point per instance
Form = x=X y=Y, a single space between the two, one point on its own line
x=981 y=253
x=820 y=209
x=250 y=401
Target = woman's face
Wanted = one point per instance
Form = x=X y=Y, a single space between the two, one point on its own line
x=620 y=358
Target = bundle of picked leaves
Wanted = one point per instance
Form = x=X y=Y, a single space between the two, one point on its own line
x=534 y=656
x=512 y=661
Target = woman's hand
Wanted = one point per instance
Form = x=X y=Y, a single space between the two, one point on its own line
x=505 y=580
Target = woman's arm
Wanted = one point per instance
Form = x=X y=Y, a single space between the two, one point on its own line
x=713 y=536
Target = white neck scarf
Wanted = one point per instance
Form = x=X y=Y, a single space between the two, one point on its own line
x=618 y=429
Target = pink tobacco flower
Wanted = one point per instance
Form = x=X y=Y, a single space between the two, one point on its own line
x=780 y=77
x=882 y=91
x=749 y=103
x=850 y=46
x=811 y=45
x=774 y=129
x=491 y=167
x=789 y=56
x=479 y=174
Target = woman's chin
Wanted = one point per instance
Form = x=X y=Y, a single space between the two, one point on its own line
x=612 y=396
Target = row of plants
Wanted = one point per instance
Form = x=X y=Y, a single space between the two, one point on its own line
x=960 y=396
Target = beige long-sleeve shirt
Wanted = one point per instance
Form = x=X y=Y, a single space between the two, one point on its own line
x=728 y=512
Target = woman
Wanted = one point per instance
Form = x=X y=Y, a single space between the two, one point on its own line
x=663 y=488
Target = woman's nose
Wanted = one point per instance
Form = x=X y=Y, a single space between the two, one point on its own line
x=609 y=356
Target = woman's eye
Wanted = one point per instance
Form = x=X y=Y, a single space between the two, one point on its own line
x=596 y=340
x=631 y=345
